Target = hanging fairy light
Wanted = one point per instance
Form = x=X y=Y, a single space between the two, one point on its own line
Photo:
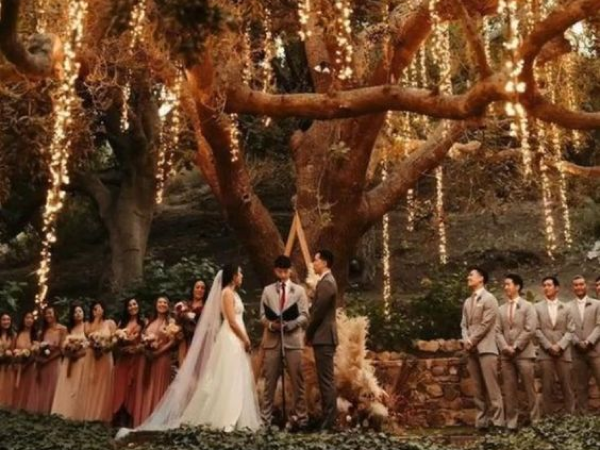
x=303 y=16
x=64 y=104
x=514 y=86
x=565 y=208
x=345 y=50
x=269 y=50
x=487 y=37
x=410 y=207
x=440 y=215
x=170 y=102
x=387 y=284
x=234 y=137
x=577 y=136
x=41 y=14
x=136 y=24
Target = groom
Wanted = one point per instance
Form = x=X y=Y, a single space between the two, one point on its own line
x=321 y=333
x=284 y=303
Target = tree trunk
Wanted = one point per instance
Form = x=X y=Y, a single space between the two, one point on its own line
x=128 y=222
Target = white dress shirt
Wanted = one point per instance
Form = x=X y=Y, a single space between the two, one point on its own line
x=552 y=309
x=581 y=306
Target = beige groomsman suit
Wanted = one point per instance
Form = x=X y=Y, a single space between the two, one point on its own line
x=516 y=325
x=480 y=313
x=555 y=326
x=293 y=341
x=587 y=328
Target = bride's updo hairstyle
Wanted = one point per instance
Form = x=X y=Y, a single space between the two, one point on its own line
x=229 y=273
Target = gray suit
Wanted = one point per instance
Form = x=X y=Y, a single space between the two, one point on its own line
x=293 y=342
x=478 y=325
x=322 y=333
x=547 y=334
x=586 y=361
x=517 y=333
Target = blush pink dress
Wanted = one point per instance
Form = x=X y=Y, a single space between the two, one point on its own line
x=26 y=374
x=67 y=398
x=46 y=375
x=97 y=384
x=7 y=375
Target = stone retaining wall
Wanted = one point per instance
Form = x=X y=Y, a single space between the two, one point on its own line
x=432 y=387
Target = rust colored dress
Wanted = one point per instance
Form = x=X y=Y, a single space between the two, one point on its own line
x=26 y=374
x=188 y=326
x=67 y=398
x=126 y=370
x=7 y=376
x=97 y=384
x=153 y=376
x=46 y=376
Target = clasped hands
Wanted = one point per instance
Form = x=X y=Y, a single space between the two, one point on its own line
x=275 y=326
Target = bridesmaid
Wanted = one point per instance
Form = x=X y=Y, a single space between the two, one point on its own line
x=97 y=384
x=67 y=399
x=26 y=339
x=154 y=373
x=127 y=364
x=188 y=317
x=7 y=371
x=52 y=337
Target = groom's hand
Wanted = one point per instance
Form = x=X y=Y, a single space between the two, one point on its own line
x=275 y=326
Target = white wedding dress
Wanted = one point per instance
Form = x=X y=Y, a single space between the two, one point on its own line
x=225 y=398
x=215 y=385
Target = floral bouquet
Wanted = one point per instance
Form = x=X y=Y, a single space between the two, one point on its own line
x=183 y=312
x=73 y=346
x=20 y=358
x=150 y=344
x=172 y=332
x=101 y=343
x=45 y=349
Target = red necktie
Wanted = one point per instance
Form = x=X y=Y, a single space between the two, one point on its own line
x=282 y=297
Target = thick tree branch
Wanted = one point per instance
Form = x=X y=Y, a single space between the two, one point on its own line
x=547 y=111
x=383 y=197
x=368 y=100
x=91 y=185
x=473 y=38
x=581 y=171
x=39 y=58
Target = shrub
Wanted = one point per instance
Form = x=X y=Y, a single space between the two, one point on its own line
x=392 y=332
x=12 y=294
x=437 y=313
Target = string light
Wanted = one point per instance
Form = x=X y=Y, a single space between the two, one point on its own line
x=440 y=215
x=268 y=76
x=41 y=12
x=387 y=284
x=64 y=104
x=565 y=207
x=303 y=16
x=136 y=24
x=344 y=50
x=170 y=101
x=234 y=137
x=577 y=137
x=519 y=128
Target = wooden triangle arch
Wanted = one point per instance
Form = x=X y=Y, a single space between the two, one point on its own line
x=296 y=231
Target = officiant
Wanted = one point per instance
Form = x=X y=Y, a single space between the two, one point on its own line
x=284 y=314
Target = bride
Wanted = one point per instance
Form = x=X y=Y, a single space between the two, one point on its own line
x=215 y=384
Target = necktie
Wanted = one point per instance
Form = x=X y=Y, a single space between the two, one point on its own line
x=282 y=300
x=511 y=313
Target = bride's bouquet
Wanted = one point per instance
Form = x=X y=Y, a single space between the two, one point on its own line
x=101 y=343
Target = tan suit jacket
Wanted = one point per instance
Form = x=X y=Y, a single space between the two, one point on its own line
x=520 y=332
x=293 y=336
x=560 y=333
x=478 y=322
x=587 y=329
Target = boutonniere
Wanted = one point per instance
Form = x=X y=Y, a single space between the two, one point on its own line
x=560 y=307
x=292 y=289
x=518 y=306
x=588 y=304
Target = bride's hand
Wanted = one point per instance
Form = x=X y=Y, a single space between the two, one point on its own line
x=247 y=345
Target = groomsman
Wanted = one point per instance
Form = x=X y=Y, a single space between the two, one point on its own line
x=586 y=341
x=554 y=333
x=480 y=313
x=598 y=288
x=515 y=329
x=321 y=333
x=284 y=304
